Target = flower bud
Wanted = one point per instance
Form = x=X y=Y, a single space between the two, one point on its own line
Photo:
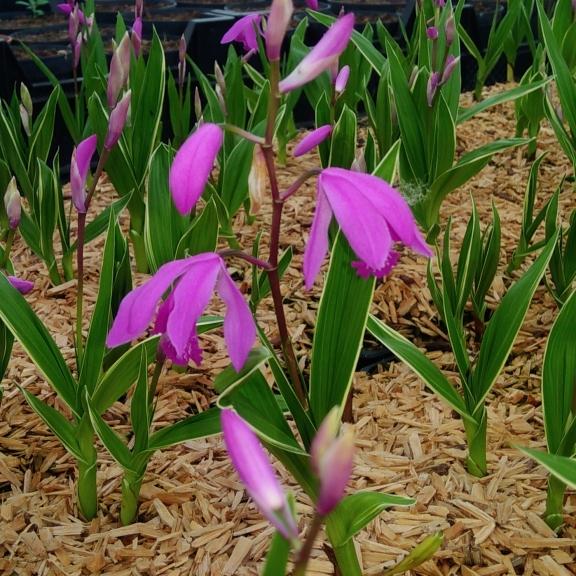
x=433 y=83
x=79 y=166
x=432 y=33
x=221 y=100
x=256 y=473
x=220 y=80
x=197 y=105
x=137 y=36
x=25 y=119
x=23 y=286
x=342 y=80
x=451 y=63
x=277 y=25
x=332 y=461
x=312 y=140
x=440 y=3
x=182 y=48
x=119 y=70
x=138 y=8
x=450 y=30
x=117 y=121
x=257 y=179
x=26 y=99
x=13 y=204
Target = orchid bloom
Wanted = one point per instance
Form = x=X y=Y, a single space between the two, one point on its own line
x=372 y=216
x=192 y=166
x=117 y=121
x=323 y=56
x=193 y=280
x=312 y=140
x=79 y=166
x=244 y=31
x=256 y=473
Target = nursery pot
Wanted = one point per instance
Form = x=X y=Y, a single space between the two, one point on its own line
x=207 y=5
x=108 y=10
x=22 y=20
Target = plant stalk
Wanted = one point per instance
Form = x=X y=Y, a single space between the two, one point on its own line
x=554 y=514
x=8 y=248
x=304 y=553
x=476 y=436
x=131 y=485
x=87 y=468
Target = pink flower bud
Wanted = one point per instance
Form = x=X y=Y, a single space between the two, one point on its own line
x=332 y=460
x=138 y=8
x=13 y=204
x=256 y=472
x=433 y=83
x=23 y=286
x=119 y=70
x=117 y=121
x=312 y=140
x=432 y=32
x=322 y=56
x=450 y=30
x=342 y=80
x=137 y=36
x=182 y=48
x=313 y=4
x=451 y=63
x=79 y=166
x=277 y=25
x=192 y=166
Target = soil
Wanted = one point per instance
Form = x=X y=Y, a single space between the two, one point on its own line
x=8 y=25
x=195 y=517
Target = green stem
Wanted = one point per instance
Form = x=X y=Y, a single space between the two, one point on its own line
x=137 y=210
x=304 y=553
x=554 y=515
x=131 y=485
x=8 y=248
x=87 y=468
x=476 y=436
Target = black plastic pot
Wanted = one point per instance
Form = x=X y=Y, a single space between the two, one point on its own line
x=22 y=20
x=212 y=5
x=107 y=10
x=8 y=5
x=485 y=11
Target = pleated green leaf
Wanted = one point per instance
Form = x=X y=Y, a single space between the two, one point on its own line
x=562 y=467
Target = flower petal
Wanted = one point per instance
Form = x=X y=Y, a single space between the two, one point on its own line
x=239 y=328
x=191 y=296
x=365 y=229
x=23 y=286
x=138 y=307
x=244 y=30
x=317 y=244
x=192 y=166
x=79 y=166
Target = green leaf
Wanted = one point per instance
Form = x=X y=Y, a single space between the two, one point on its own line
x=202 y=234
x=562 y=467
x=559 y=378
x=141 y=412
x=96 y=341
x=419 y=363
x=339 y=333
x=357 y=510
x=343 y=141
x=505 y=324
x=32 y=334
x=200 y=425
x=42 y=135
x=58 y=424
x=277 y=557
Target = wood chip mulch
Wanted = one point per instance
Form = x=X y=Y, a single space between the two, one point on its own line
x=195 y=518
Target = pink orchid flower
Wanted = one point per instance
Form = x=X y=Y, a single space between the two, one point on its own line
x=256 y=473
x=323 y=56
x=312 y=140
x=371 y=214
x=193 y=280
x=23 y=286
x=244 y=31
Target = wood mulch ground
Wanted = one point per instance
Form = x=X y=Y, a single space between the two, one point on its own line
x=195 y=518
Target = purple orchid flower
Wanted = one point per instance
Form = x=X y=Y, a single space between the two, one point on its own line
x=79 y=166
x=432 y=87
x=192 y=166
x=23 y=286
x=371 y=214
x=323 y=56
x=69 y=8
x=277 y=25
x=193 y=279
x=449 y=67
x=244 y=31
x=432 y=32
x=13 y=204
x=312 y=140
x=256 y=473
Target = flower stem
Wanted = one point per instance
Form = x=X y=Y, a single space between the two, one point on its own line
x=7 y=248
x=554 y=514
x=80 y=255
x=231 y=253
x=306 y=550
x=277 y=205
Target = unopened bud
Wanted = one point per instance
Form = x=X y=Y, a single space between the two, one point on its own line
x=26 y=99
x=138 y=8
x=277 y=25
x=432 y=87
x=342 y=80
x=117 y=121
x=221 y=100
x=450 y=30
x=13 y=204
x=197 y=105
x=25 y=119
x=432 y=32
x=451 y=63
x=257 y=179
x=119 y=70
x=220 y=80
x=137 y=36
